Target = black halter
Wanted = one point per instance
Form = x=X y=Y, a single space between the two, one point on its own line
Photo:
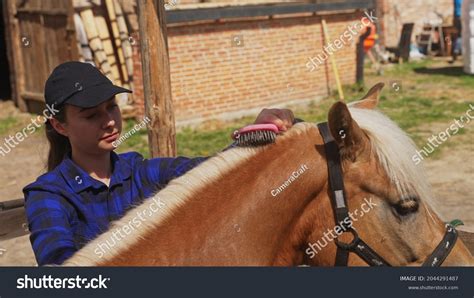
x=339 y=204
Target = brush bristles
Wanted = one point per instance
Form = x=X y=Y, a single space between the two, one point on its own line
x=256 y=138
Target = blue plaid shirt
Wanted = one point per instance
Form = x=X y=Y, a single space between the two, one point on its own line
x=66 y=208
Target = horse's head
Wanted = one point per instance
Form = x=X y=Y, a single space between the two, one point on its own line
x=386 y=193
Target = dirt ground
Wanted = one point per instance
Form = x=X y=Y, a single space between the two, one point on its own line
x=451 y=175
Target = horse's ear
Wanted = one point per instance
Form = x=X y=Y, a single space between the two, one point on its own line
x=371 y=99
x=347 y=134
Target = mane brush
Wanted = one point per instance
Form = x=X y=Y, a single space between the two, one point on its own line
x=255 y=135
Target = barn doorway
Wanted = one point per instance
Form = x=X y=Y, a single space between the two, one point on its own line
x=5 y=87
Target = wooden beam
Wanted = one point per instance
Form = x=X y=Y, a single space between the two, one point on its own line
x=243 y=11
x=12 y=204
x=51 y=12
x=36 y=96
x=156 y=78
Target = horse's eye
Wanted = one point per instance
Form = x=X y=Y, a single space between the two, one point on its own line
x=407 y=205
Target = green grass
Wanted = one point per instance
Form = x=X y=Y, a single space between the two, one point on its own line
x=192 y=142
x=7 y=125
x=433 y=92
x=413 y=108
x=12 y=125
x=136 y=142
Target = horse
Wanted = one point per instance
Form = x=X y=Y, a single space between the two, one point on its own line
x=271 y=205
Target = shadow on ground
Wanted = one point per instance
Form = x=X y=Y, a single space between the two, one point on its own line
x=454 y=71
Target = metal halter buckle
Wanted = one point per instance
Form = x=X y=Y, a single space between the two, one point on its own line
x=350 y=245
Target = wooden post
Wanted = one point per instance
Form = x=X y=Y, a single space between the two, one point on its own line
x=14 y=53
x=156 y=78
x=360 y=56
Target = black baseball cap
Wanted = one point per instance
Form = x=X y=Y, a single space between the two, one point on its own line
x=79 y=84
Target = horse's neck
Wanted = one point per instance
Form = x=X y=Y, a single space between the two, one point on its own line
x=242 y=217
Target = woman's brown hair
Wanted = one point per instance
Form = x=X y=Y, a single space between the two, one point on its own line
x=59 y=145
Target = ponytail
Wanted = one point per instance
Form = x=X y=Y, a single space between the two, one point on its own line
x=59 y=145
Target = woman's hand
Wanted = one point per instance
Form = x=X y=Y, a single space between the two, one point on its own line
x=282 y=118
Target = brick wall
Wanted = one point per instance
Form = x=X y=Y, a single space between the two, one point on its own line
x=397 y=12
x=394 y=13
x=230 y=69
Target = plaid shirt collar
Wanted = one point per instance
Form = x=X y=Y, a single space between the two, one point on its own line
x=79 y=180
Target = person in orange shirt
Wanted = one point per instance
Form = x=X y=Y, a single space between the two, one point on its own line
x=370 y=42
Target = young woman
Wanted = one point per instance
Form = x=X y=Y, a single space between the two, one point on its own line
x=87 y=184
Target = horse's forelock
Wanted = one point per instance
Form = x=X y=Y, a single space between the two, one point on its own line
x=394 y=150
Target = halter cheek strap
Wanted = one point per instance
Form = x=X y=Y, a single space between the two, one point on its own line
x=336 y=186
x=341 y=214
